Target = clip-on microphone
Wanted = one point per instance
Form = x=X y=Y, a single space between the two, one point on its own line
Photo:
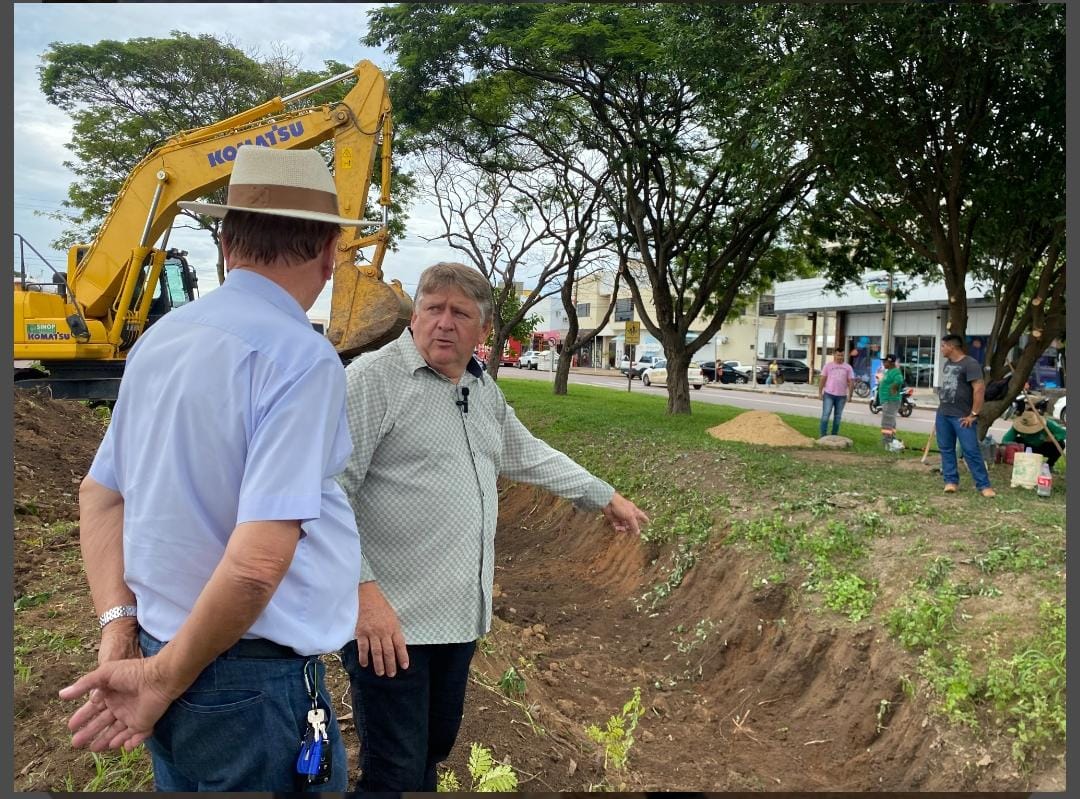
x=463 y=403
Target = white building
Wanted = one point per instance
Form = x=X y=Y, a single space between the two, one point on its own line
x=855 y=320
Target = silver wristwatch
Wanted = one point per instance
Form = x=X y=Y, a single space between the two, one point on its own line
x=119 y=612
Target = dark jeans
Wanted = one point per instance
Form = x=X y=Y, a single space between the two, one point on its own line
x=949 y=431
x=238 y=727
x=408 y=723
x=831 y=405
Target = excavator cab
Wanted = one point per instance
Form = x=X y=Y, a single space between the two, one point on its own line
x=176 y=286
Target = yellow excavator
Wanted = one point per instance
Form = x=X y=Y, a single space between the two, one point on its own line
x=80 y=324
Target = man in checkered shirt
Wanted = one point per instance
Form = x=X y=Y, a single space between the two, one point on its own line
x=431 y=435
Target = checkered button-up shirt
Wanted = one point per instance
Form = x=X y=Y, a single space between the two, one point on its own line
x=422 y=482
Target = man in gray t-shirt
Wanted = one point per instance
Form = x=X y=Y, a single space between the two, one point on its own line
x=961 y=399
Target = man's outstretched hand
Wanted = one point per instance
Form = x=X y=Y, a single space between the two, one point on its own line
x=624 y=516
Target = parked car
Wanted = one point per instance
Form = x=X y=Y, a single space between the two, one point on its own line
x=739 y=366
x=1059 y=409
x=791 y=370
x=509 y=359
x=728 y=373
x=643 y=362
x=657 y=374
x=535 y=359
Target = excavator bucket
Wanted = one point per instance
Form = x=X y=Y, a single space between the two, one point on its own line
x=365 y=312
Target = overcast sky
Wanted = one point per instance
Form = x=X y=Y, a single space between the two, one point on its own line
x=315 y=32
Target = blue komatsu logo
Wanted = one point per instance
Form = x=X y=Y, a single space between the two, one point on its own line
x=278 y=134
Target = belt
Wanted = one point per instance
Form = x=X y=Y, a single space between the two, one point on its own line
x=259 y=648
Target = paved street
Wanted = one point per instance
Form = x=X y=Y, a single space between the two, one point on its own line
x=795 y=399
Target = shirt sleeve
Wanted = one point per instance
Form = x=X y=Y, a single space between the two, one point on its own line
x=972 y=370
x=103 y=468
x=527 y=459
x=299 y=440
x=367 y=413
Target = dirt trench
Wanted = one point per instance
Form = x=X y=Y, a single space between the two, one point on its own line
x=770 y=697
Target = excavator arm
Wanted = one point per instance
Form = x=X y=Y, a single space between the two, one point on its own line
x=106 y=302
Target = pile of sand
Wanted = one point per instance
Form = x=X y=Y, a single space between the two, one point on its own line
x=760 y=427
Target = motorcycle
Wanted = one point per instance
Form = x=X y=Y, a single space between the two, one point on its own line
x=907 y=402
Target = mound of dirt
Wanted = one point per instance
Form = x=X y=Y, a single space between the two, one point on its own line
x=55 y=441
x=760 y=427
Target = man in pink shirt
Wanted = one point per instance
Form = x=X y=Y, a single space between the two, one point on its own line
x=834 y=390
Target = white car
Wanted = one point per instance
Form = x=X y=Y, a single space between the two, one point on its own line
x=657 y=374
x=536 y=359
x=739 y=366
x=1059 y=409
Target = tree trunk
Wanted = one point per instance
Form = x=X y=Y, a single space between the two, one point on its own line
x=494 y=359
x=678 y=359
x=562 y=370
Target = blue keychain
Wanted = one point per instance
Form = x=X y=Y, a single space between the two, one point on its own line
x=313 y=764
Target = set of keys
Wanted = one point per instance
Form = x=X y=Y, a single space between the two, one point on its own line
x=314 y=763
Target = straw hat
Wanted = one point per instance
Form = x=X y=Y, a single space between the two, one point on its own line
x=293 y=183
x=1028 y=422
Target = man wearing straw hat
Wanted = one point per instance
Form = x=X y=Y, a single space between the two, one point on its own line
x=221 y=553
x=1033 y=431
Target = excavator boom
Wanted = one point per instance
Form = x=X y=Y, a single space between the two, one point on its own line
x=108 y=297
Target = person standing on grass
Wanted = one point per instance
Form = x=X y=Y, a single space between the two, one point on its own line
x=960 y=400
x=431 y=434
x=835 y=385
x=220 y=552
x=890 y=391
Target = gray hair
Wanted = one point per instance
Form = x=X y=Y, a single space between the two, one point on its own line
x=467 y=280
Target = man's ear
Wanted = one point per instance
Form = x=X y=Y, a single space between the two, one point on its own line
x=329 y=258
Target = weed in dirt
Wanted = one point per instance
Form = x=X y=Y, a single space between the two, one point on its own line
x=121 y=772
x=32 y=600
x=949 y=671
x=511 y=684
x=924 y=618
x=909 y=506
x=851 y=595
x=485 y=645
x=1028 y=688
x=617 y=735
x=487 y=775
x=23 y=671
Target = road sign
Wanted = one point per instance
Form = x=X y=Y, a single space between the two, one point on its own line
x=633 y=333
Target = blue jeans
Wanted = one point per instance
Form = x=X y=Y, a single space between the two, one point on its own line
x=408 y=723
x=239 y=726
x=949 y=431
x=831 y=405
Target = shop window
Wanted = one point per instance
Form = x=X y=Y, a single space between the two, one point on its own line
x=916 y=359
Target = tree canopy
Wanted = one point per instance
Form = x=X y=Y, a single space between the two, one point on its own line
x=678 y=103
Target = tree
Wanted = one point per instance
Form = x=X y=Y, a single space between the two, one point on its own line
x=942 y=130
x=677 y=102
x=494 y=223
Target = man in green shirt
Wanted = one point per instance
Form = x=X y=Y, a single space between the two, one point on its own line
x=1028 y=430
x=890 y=391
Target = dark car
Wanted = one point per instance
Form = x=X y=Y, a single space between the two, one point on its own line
x=728 y=373
x=791 y=370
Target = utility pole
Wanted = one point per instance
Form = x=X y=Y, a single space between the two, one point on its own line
x=757 y=334
x=886 y=337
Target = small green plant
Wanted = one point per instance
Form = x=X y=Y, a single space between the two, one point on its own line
x=950 y=674
x=851 y=595
x=617 y=736
x=31 y=601
x=23 y=671
x=1028 y=689
x=447 y=781
x=699 y=636
x=121 y=771
x=485 y=645
x=487 y=775
x=924 y=619
x=512 y=684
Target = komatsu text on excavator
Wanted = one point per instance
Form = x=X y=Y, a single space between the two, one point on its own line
x=80 y=325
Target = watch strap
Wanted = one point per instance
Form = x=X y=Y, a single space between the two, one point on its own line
x=118 y=612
